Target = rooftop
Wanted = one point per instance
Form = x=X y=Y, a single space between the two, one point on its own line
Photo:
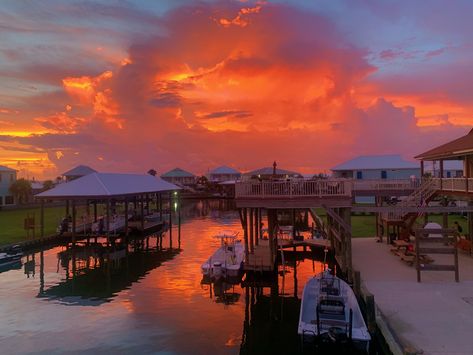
x=6 y=168
x=177 y=172
x=373 y=162
x=451 y=150
x=269 y=171
x=224 y=170
x=103 y=185
x=80 y=170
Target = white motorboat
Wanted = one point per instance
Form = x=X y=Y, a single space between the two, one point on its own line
x=330 y=312
x=11 y=257
x=117 y=223
x=227 y=261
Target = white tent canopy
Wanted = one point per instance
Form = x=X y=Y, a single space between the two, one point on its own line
x=107 y=185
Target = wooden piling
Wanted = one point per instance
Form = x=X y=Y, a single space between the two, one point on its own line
x=252 y=249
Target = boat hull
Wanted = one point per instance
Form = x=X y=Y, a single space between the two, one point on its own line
x=349 y=317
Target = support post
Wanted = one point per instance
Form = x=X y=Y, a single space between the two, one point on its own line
x=170 y=221
x=95 y=211
x=142 y=214
x=252 y=249
x=346 y=215
x=245 y=233
x=179 y=220
x=126 y=218
x=108 y=221
x=42 y=219
x=73 y=221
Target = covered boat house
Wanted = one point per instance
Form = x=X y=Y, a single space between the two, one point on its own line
x=109 y=189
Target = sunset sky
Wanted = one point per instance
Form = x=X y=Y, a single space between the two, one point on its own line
x=126 y=86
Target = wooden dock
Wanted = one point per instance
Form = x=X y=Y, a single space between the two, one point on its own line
x=431 y=317
x=311 y=243
x=261 y=259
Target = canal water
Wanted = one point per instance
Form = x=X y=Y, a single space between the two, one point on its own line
x=149 y=298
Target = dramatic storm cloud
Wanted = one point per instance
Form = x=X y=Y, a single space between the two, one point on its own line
x=135 y=86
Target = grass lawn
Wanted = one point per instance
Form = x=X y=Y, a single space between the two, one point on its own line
x=12 y=222
x=364 y=225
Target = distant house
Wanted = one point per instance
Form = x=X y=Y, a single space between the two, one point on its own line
x=36 y=187
x=268 y=173
x=179 y=177
x=77 y=172
x=377 y=167
x=7 y=177
x=224 y=173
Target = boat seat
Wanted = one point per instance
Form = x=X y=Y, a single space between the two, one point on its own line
x=332 y=307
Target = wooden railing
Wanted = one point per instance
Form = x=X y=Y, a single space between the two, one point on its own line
x=341 y=187
x=384 y=184
x=454 y=184
x=293 y=189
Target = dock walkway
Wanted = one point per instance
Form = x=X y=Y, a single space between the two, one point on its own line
x=432 y=317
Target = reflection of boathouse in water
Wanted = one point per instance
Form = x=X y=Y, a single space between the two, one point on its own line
x=96 y=273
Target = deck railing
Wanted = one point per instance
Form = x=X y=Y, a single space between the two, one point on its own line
x=341 y=187
x=293 y=189
x=385 y=184
x=454 y=184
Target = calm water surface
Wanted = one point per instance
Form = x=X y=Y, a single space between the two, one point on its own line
x=149 y=300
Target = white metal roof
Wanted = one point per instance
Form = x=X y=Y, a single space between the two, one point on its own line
x=80 y=170
x=224 y=170
x=374 y=162
x=108 y=185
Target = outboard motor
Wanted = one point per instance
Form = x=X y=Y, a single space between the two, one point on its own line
x=217 y=271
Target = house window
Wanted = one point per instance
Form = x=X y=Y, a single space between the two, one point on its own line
x=384 y=174
x=359 y=175
x=1 y=200
x=9 y=200
x=449 y=174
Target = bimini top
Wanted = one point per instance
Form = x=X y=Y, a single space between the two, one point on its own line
x=104 y=185
x=177 y=172
x=225 y=170
x=374 y=162
x=451 y=150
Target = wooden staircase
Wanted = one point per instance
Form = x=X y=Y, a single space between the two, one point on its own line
x=420 y=197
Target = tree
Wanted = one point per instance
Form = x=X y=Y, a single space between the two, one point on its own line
x=48 y=184
x=21 y=190
x=152 y=172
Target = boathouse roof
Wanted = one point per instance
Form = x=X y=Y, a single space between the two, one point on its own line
x=269 y=171
x=224 y=170
x=452 y=150
x=104 y=185
x=177 y=172
x=6 y=168
x=375 y=162
x=80 y=170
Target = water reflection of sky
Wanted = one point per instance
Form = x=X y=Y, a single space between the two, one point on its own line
x=165 y=309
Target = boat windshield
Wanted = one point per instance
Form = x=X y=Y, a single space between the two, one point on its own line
x=330 y=286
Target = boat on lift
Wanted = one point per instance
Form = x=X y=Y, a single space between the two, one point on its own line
x=227 y=260
x=11 y=257
x=330 y=313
